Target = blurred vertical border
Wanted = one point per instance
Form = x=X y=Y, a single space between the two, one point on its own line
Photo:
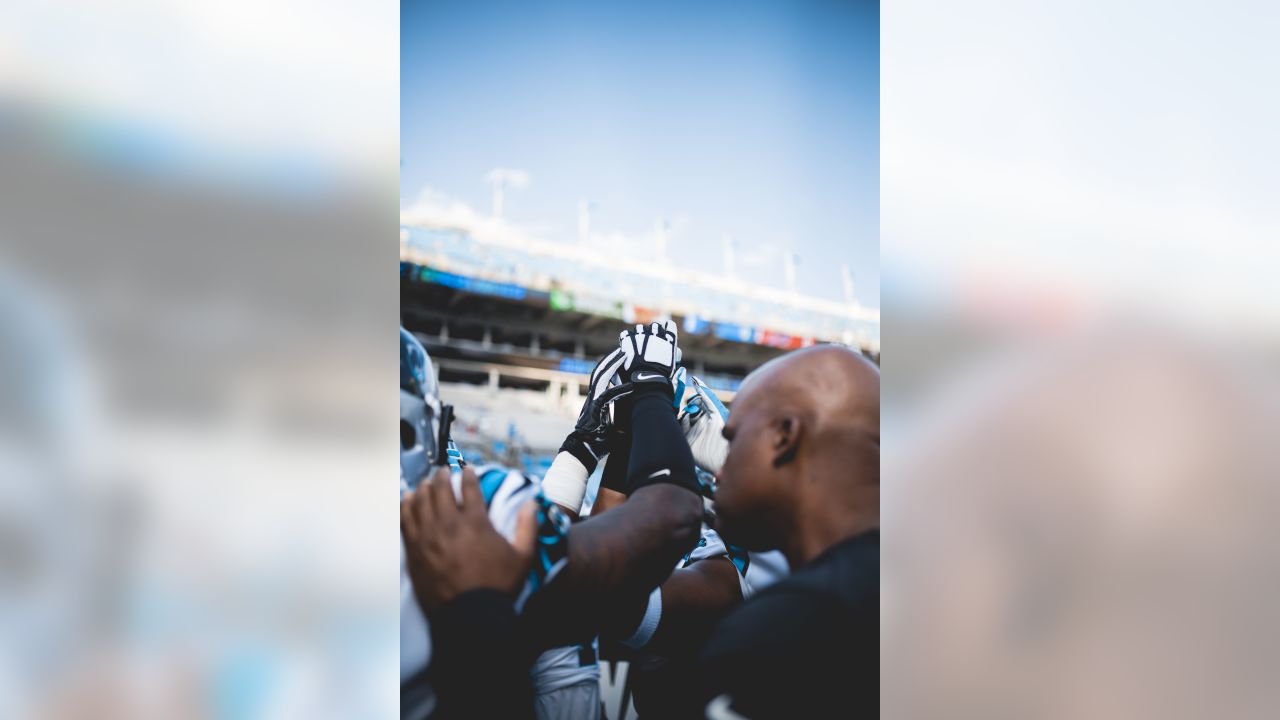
x=1078 y=236
x=198 y=236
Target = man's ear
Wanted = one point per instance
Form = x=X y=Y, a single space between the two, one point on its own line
x=786 y=439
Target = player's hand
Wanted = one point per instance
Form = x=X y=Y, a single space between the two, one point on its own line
x=451 y=547
x=702 y=417
x=588 y=440
x=651 y=353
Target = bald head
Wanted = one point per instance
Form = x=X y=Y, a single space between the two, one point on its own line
x=804 y=435
x=833 y=390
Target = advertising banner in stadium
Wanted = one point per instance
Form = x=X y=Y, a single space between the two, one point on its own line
x=695 y=325
x=733 y=331
x=565 y=301
x=636 y=314
x=561 y=300
x=472 y=285
x=780 y=340
x=575 y=365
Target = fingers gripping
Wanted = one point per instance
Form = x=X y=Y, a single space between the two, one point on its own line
x=655 y=343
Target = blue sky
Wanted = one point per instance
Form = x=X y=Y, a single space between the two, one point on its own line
x=754 y=120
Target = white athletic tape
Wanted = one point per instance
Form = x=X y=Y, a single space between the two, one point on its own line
x=565 y=482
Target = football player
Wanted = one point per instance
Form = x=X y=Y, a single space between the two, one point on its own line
x=600 y=560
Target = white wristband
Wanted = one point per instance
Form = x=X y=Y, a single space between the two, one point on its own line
x=649 y=624
x=565 y=482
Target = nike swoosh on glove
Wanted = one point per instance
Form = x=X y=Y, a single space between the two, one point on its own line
x=651 y=354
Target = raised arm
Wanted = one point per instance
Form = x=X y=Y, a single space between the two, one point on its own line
x=628 y=551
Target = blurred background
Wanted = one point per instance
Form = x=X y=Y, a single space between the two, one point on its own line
x=569 y=168
x=196 y=231
x=1080 y=405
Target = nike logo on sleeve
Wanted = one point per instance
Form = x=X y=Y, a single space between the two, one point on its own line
x=718 y=709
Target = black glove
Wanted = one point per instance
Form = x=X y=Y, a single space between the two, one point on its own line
x=590 y=437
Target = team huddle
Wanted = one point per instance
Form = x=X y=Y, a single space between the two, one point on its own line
x=737 y=554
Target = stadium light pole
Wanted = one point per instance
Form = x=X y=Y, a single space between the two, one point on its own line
x=847 y=278
x=497 y=180
x=790 y=259
x=728 y=256
x=584 y=221
x=662 y=240
x=501 y=179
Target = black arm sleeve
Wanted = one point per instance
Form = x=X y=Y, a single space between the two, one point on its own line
x=659 y=452
x=623 y=554
x=479 y=667
x=614 y=475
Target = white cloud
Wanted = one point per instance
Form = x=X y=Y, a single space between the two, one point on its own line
x=216 y=78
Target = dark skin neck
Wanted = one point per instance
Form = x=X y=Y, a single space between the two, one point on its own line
x=839 y=481
x=822 y=522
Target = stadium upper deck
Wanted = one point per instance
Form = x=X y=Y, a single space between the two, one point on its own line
x=577 y=278
x=514 y=324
